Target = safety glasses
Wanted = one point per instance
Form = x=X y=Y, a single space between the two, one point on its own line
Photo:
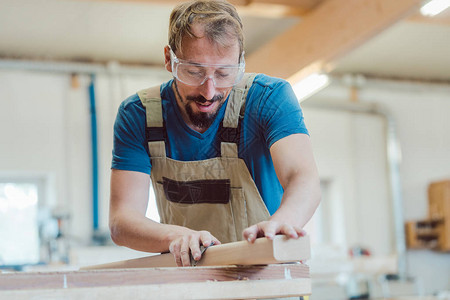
x=196 y=74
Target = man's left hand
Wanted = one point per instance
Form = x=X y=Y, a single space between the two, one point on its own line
x=271 y=228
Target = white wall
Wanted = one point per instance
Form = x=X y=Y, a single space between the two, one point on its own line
x=350 y=153
x=31 y=130
x=422 y=114
x=349 y=149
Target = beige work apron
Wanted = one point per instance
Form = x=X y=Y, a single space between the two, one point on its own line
x=217 y=194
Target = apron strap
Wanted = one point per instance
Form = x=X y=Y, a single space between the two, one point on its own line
x=155 y=130
x=230 y=127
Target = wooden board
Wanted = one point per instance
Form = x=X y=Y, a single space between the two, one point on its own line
x=263 y=251
x=226 y=282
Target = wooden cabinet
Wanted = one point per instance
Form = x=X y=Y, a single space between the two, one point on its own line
x=439 y=209
x=433 y=232
x=422 y=234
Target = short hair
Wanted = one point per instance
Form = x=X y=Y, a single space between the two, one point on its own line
x=220 y=19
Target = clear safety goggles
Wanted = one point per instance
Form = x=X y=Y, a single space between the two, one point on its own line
x=196 y=74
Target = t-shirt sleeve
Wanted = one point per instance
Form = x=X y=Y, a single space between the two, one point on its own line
x=281 y=114
x=129 y=150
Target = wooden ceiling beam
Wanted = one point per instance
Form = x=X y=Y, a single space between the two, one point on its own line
x=442 y=19
x=304 y=4
x=264 y=8
x=271 y=10
x=329 y=31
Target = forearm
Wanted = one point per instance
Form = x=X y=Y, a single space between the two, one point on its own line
x=297 y=172
x=128 y=224
x=300 y=200
x=133 y=230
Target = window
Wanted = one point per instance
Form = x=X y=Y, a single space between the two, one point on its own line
x=152 y=210
x=327 y=226
x=19 y=234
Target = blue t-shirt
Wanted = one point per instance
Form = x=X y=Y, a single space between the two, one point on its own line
x=272 y=112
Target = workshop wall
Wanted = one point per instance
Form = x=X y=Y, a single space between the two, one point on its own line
x=420 y=113
x=32 y=128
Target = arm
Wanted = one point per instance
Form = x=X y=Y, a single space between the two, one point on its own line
x=129 y=226
x=296 y=170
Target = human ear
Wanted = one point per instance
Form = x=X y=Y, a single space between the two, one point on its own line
x=167 y=62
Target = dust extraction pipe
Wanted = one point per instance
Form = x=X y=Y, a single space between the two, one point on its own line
x=94 y=148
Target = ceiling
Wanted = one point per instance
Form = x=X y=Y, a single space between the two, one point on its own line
x=405 y=46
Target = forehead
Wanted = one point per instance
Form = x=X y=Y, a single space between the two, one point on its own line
x=201 y=49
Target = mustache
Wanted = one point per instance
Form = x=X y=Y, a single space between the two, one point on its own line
x=202 y=99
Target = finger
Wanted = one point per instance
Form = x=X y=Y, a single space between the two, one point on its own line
x=250 y=233
x=207 y=239
x=300 y=231
x=289 y=231
x=215 y=241
x=270 y=229
x=194 y=245
x=174 y=248
x=185 y=253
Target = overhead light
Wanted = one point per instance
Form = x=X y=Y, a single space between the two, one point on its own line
x=310 y=85
x=434 y=7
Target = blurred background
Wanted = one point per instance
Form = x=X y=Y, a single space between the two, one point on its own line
x=373 y=79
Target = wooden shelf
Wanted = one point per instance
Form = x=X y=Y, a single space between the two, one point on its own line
x=434 y=232
x=419 y=236
x=439 y=211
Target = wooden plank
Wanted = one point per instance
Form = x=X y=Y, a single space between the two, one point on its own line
x=262 y=251
x=226 y=282
x=331 y=30
x=205 y=290
x=122 y=277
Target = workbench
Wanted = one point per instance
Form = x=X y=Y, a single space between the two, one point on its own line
x=221 y=282
x=242 y=274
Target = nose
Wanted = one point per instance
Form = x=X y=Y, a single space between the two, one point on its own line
x=208 y=89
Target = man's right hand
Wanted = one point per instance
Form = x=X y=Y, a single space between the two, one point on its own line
x=182 y=247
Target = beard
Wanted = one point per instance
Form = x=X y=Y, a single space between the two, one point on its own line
x=201 y=119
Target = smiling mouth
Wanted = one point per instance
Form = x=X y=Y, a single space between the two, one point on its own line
x=205 y=106
x=207 y=103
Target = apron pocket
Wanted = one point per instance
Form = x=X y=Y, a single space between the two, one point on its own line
x=197 y=191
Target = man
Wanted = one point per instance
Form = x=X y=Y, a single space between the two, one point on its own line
x=228 y=154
